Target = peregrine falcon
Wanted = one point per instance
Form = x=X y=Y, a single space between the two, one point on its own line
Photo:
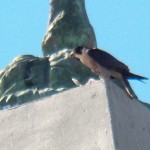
x=105 y=65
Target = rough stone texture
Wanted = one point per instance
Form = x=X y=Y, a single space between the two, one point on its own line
x=68 y=27
x=90 y=117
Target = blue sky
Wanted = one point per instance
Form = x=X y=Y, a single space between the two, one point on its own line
x=122 y=28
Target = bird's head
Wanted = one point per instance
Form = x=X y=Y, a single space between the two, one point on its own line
x=77 y=52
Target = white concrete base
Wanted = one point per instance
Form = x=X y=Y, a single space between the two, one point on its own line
x=84 y=118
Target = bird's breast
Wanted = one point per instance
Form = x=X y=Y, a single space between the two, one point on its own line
x=86 y=60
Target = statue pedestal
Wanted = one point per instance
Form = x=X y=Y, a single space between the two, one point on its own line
x=90 y=117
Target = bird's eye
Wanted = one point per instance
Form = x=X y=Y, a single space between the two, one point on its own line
x=79 y=49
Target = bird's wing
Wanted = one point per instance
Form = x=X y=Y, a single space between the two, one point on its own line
x=107 y=60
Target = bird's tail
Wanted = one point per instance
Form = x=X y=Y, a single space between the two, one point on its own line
x=135 y=76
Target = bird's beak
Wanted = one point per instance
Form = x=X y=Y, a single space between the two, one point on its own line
x=72 y=54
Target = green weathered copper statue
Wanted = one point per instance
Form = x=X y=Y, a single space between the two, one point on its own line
x=24 y=80
x=29 y=78
x=68 y=27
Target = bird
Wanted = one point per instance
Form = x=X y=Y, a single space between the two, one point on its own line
x=105 y=65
